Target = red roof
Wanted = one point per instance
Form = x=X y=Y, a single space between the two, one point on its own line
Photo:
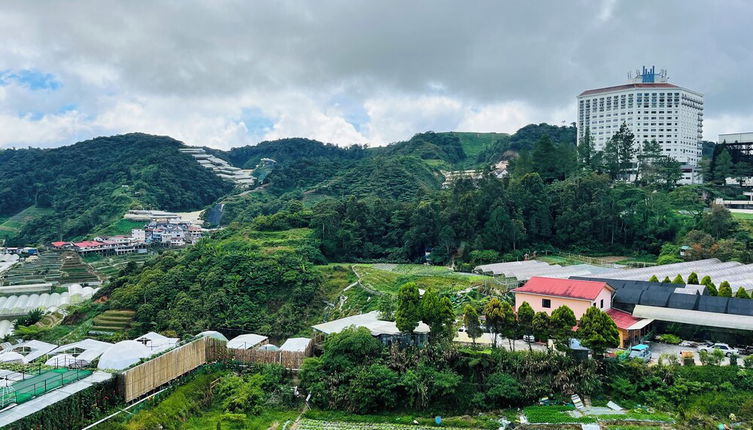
x=88 y=244
x=627 y=87
x=623 y=319
x=59 y=244
x=575 y=289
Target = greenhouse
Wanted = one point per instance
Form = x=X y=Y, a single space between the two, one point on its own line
x=29 y=350
x=86 y=350
x=246 y=341
x=123 y=355
x=156 y=343
x=213 y=334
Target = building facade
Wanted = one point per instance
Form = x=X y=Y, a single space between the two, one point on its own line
x=652 y=108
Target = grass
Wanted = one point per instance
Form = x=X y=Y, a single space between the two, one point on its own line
x=742 y=215
x=111 y=265
x=476 y=421
x=389 y=278
x=474 y=143
x=120 y=227
x=638 y=415
x=12 y=225
x=554 y=415
x=262 y=421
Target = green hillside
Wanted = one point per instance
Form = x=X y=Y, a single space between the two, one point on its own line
x=67 y=192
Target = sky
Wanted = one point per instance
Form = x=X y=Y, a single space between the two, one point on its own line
x=231 y=73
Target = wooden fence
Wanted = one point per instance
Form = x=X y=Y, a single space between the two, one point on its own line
x=137 y=381
x=146 y=377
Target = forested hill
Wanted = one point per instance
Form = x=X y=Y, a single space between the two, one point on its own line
x=73 y=190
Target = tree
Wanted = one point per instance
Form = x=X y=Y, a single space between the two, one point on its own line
x=509 y=324
x=718 y=222
x=725 y=290
x=541 y=326
x=494 y=312
x=504 y=390
x=619 y=153
x=666 y=280
x=431 y=311
x=678 y=280
x=711 y=288
x=706 y=280
x=387 y=307
x=562 y=323
x=653 y=278
x=693 y=278
x=742 y=294
x=472 y=322
x=598 y=331
x=586 y=150
x=408 y=312
x=525 y=319
x=722 y=167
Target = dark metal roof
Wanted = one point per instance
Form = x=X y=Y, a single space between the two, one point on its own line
x=683 y=301
x=627 y=283
x=628 y=296
x=713 y=304
x=740 y=306
x=656 y=296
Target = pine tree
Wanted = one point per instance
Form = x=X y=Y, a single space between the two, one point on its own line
x=494 y=317
x=678 y=280
x=725 y=290
x=711 y=288
x=666 y=280
x=562 y=322
x=742 y=294
x=653 y=278
x=586 y=150
x=693 y=278
x=525 y=319
x=542 y=327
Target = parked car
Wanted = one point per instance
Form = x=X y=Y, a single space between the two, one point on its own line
x=641 y=352
x=529 y=338
x=726 y=349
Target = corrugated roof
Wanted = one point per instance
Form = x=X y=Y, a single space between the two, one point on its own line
x=684 y=316
x=297 y=344
x=571 y=288
x=368 y=320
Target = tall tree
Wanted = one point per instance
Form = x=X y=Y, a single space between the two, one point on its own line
x=408 y=312
x=541 y=326
x=725 y=290
x=472 y=322
x=742 y=294
x=597 y=331
x=495 y=318
x=722 y=168
x=525 y=320
x=562 y=323
x=586 y=150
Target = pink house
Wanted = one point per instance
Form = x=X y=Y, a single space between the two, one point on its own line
x=547 y=294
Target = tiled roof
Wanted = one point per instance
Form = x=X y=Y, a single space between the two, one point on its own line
x=623 y=319
x=585 y=290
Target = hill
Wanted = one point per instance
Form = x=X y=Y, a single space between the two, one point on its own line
x=66 y=192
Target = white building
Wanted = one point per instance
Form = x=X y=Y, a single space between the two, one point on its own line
x=652 y=108
x=138 y=235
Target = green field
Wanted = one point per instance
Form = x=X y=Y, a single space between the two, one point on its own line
x=119 y=227
x=113 y=321
x=741 y=215
x=108 y=266
x=12 y=225
x=387 y=278
x=474 y=143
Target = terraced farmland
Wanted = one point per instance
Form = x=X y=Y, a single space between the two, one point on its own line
x=110 y=265
x=73 y=270
x=40 y=269
x=387 y=278
x=309 y=424
x=112 y=321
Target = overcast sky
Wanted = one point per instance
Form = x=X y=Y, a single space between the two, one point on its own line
x=231 y=73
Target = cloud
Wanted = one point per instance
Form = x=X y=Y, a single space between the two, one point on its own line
x=227 y=73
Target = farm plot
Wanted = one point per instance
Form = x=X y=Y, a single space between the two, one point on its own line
x=309 y=424
x=109 y=266
x=74 y=270
x=35 y=270
x=388 y=281
x=112 y=321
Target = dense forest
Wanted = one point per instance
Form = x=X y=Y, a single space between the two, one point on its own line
x=238 y=281
x=92 y=183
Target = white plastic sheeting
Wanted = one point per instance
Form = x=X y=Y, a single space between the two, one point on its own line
x=123 y=354
x=246 y=341
x=30 y=350
x=66 y=360
x=23 y=304
x=87 y=349
x=6 y=327
x=156 y=343
x=213 y=334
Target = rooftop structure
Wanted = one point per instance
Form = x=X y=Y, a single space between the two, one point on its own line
x=123 y=355
x=296 y=344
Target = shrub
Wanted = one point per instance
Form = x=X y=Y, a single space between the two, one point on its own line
x=748 y=362
x=670 y=339
x=666 y=280
x=678 y=280
x=653 y=278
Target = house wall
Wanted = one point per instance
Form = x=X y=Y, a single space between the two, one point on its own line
x=579 y=307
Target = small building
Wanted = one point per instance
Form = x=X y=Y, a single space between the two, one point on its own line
x=297 y=344
x=386 y=331
x=631 y=329
x=547 y=294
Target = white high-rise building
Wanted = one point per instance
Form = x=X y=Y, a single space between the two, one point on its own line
x=652 y=108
